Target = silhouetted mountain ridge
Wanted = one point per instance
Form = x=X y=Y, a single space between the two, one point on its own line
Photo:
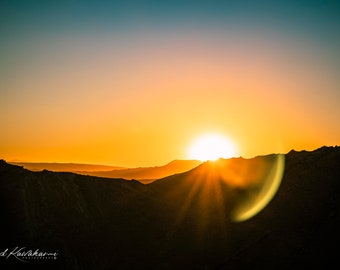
x=179 y=222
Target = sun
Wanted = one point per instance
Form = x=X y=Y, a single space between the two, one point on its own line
x=211 y=147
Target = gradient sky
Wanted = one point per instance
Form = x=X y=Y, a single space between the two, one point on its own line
x=133 y=83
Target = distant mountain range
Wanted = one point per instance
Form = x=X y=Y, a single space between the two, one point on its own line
x=65 y=167
x=182 y=221
x=142 y=174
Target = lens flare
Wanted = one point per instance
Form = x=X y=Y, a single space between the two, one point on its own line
x=257 y=195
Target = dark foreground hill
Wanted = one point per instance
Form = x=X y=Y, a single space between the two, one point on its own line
x=180 y=222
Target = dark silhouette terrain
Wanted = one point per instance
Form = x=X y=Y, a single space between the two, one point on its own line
x=179 y=222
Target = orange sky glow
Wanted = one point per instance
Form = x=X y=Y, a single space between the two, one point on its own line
x=141 y=98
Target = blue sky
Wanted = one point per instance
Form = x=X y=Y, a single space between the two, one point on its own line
x=310 y=18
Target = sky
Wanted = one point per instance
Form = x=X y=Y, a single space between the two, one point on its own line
x=134 y=83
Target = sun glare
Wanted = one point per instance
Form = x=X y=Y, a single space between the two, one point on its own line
x=211 y=147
